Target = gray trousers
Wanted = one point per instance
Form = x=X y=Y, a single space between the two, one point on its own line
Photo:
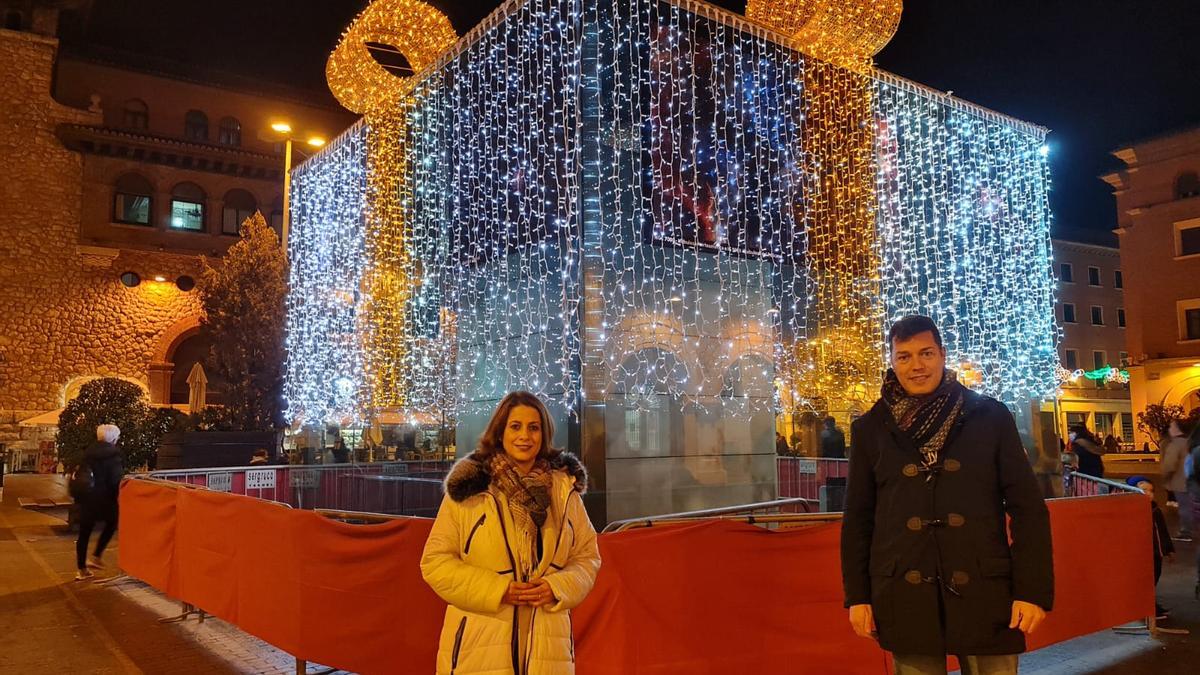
x=924 y=664
x=1186 y=514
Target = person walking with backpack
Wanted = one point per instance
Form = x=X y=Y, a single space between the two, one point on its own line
x=95 y=487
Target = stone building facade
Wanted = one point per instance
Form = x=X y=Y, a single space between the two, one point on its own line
x=90 y=192
x=1158 y=216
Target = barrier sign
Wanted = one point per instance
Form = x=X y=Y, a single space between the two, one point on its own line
x=260 y=479
x=220 y=482
x=806 y=466
x=395 y=469
x=305 y=478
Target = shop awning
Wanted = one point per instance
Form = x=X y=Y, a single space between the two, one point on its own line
x=46 y=419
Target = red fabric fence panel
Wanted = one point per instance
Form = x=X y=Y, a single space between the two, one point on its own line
x=710 y=597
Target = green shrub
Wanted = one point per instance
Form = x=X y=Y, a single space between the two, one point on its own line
x=112 y=401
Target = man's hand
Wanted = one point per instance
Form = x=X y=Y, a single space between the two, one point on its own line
x=862 y=619
x=1026 y=616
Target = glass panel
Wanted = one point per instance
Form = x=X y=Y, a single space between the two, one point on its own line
x=1104 y=424
x=1126 y=427
x=187 y=215
x=1189 y=241
x=1094 y=276
x=1072 y=358
x=132 y=209
x=1098 y=360
x=232 y=219
x=1076 y=419
x=1069 y=313
x=1118 y=279
x=1065 y=272
x=1192 y=321
x=1097 y=316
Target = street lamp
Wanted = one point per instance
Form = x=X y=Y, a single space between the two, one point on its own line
x=284 y=129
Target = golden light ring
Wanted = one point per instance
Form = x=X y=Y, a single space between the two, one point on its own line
x=841 y=31
x=416 y=29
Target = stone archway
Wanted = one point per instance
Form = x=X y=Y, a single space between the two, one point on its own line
x=161 y=368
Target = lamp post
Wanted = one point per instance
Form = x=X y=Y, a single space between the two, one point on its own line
x=284 y=129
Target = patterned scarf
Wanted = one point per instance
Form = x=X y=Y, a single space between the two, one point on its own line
x=926 y=420
x=528 y=496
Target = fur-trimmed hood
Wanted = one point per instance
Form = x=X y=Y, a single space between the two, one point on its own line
x=472 y=475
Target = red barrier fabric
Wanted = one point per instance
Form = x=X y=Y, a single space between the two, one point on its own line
x=710 y=597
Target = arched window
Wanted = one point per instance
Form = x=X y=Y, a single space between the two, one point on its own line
x=137 y=115
x=1187 y=185
x=276 y=220
x=187 y=207
x=132 y=196
x=229 y=132
x=195 y=126
x=239 y=205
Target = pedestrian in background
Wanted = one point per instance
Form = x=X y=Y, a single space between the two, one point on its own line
x=512 y=551
x=1160 y=537
x=1111 y=445
x=1191 y=468
x=833 y=440
x=935 y=470
x=1087 y=451
x=781 y=445
x=95 y=487
x=1174 y=475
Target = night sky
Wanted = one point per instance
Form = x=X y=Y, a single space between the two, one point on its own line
x=1098 y=73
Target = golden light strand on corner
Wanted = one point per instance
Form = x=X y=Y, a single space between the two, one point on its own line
x=422 y=34
x=839 y=356
x=835 y=363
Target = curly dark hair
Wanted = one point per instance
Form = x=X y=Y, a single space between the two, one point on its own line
x=492 y=439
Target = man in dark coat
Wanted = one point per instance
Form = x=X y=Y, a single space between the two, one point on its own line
x=926 y=561
x=833 y=441
x=99 y=503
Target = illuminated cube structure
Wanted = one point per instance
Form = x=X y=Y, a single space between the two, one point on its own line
x=680 y=230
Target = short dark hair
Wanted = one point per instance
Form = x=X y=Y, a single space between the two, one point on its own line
x=913 y=325
x=830 y=422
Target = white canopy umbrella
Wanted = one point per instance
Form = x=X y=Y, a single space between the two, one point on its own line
x=197 y=388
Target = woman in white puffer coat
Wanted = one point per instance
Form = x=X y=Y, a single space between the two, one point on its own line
x=512 y=550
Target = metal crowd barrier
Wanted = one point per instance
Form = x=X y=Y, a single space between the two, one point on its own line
x=793 y=511
x=1077 y=484
x=820 y=480
x=395 y=488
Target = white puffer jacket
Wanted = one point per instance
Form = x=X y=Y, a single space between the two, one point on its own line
x=469 y=562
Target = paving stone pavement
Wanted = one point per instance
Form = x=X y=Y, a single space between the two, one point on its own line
x=52 y=624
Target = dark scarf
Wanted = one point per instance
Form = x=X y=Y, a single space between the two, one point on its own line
x=926 y=420
x=529 y=495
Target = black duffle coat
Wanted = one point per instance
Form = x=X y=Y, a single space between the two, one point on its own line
x=928 y=549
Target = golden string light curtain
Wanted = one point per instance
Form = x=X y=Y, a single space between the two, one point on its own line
x=837 y=362
x=421 y=33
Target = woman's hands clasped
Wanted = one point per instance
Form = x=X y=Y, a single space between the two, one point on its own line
x=533 y=594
